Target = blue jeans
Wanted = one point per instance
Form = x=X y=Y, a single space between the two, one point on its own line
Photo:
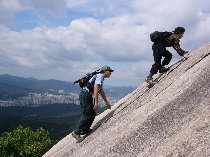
x=87 y=112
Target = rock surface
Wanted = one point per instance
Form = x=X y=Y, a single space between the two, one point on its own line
x=171 y=119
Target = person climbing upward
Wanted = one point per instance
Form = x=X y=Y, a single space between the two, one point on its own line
x=159 y=51
x=88 y=106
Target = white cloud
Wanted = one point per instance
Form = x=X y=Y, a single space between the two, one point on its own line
x=75 y=3
x=114 y=39
x=8 y=8
x=54 y=6
x=10 y=5
x=100 y=8
x=120 y=38
x=42 y=46
x=77 y=42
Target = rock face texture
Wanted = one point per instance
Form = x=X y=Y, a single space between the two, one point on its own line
x=171 y=119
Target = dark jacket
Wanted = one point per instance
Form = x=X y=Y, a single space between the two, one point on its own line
x=173 y=41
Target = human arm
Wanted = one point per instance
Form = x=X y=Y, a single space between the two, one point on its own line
x=176 y=46
x=181 y=52
x=96 y=88
x=103 y=95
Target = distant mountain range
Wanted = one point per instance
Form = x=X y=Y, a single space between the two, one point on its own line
x=35 y=84
x=14 y=87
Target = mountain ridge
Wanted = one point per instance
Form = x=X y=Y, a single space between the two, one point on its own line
x=14 y=87
x=36 y=84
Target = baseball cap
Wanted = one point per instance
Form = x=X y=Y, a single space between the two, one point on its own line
x=106 y=68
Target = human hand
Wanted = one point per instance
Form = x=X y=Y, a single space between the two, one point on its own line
x=95 y=107
x=186 y=56
x=108 y=106
x=188 y=51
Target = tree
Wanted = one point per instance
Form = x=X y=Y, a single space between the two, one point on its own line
x=23 y=142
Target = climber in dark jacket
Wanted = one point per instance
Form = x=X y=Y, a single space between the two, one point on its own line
x=159 y=51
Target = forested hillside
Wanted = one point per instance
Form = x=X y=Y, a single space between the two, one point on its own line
x=58 y=119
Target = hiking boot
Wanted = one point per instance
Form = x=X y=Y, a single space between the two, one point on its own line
x=163 y=70
x=149 y=80
x=85 y=132
x=76 y=136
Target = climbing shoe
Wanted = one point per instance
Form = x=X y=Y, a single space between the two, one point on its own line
x=85 y=132
x=76 y=136
x=163 y=70
x=149 y=80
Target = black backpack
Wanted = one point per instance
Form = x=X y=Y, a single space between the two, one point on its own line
x=84 y=81
x=157 y=37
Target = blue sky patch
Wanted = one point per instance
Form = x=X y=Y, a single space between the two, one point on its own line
x=29 y=19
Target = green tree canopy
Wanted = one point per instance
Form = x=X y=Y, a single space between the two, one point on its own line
x=23 y=142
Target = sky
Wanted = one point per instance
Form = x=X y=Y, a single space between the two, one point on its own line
x=65 y=39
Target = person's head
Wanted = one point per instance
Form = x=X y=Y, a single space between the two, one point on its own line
x=179 y=31
x=106 y=70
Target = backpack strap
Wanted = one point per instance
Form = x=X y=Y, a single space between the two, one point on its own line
x=90 y=85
